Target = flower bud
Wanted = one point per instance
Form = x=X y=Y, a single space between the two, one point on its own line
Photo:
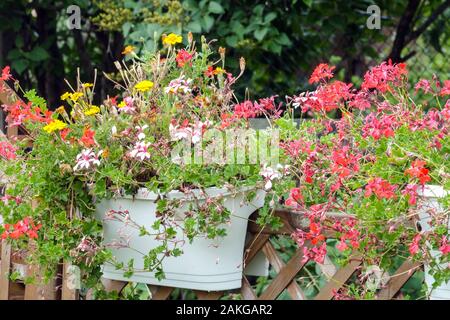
x=242 y=64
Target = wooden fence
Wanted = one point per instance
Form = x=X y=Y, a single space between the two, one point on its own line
x=287 y=273
x=285 y=279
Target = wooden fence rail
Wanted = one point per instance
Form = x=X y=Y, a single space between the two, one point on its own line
x=285 y=279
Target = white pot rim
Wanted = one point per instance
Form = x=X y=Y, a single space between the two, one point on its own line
x=432 y=191
x=145 y=194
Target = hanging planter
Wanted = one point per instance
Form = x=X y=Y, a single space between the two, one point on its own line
x=431 y=196
x=206 y=264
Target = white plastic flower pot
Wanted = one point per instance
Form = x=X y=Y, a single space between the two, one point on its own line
x=205 y=264
x=430 y=195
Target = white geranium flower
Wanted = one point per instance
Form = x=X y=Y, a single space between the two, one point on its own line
x=87 y=159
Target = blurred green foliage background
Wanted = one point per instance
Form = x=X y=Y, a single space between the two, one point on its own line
x=281 y=40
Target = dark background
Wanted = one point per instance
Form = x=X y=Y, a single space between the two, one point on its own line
x=281 y=40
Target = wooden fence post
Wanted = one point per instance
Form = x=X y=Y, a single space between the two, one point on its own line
x=5 y=267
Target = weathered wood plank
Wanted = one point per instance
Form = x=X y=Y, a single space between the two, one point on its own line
x=113 y=285
x=69 y=283
x=160 y=292
x=339 y=279
x=39 y=290
x=397 y=281
x=247 y=291
x=5 y=265
x=328 y=268
x=293 y=288
x=16 y=291
x=284 y=277
x=205 y=295
x=254 y=246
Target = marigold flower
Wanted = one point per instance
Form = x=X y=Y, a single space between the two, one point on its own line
x=92 y=110
x=55 y=125
x=144 y=85
x=75 y=96
x=219 y=70
x=66 y=96
x=172 y=39
x=127 y=50
x=60 y=110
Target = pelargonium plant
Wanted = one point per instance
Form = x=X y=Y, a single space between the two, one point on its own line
x=86 y=150
x=370 y=167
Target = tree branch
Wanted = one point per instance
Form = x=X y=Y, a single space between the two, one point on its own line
x=436 y=13
x=403 y=29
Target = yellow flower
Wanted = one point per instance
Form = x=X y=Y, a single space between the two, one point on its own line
x=122 y=104
x=55 y=125
x=75 y=96
x=87 y=85
x=105 y=153
x=92 y=110
x=60 y=110
x=127 y=50
x=144 y=86
x=65 y=96
x=219 y=70
x=172 y=39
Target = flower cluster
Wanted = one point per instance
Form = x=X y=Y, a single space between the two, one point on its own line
x=370 y=166
x=23 y=228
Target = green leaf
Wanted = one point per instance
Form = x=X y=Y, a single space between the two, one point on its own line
x=308 y=3
x=215 y=7
x=19 y=42
x=35 y=99
x=232 y=41
x=194 y=27
x=270 y=17
x=260 y=33
x=283 y=39
x=126 y=28
x=207 y=23
x=20 y=65
x=14 y=54
x=37 y=54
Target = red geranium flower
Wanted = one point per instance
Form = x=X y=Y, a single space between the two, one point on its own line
x=321 y=72
x=414 y=246
x=7 y=150
x=88 y=137
x=446 y=89
x=6 y=75
x=418 y=170
x=381 y=188
x=183 y=57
